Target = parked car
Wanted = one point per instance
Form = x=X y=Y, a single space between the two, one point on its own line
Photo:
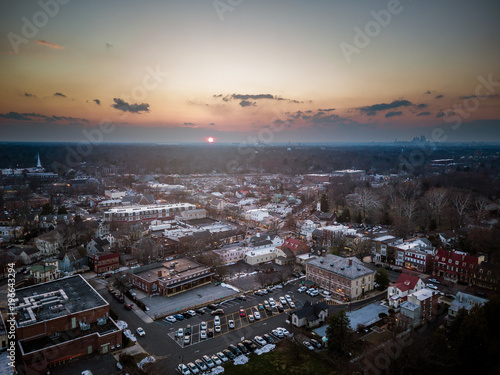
x=222 y=356
x=291 y=304
x=242 y=347
x=434 y=281
x=279 y=334
x=192 y=367
x=140 y=331
x=203 y=335
x=315 y=343
x=200 y=311
x=127 y=306
x=203 y=325
x=234 y=350
x=208 y=361
x=201 y=365
x=180 y=332
x=170 y=319
x=216 y=360
x=256 y=315
x=230 y=323
x=212 y=307
x=229 y=354
x=183 y=369
x=308 y=345
x=187 y=331
x=178 y=317
x=250 y=345
x=431 y=286
x=217 y=320
x=210 y=332
x=280 y=308
x=284 y=331
x=186 y=315
x=302 y=289
x=268 y=338
x=242 y=297
x=288 y=298
x=251 y=318
x=191 y=312
x=259 y=340
x=218 y=312
x=218 y=329
x=260 y=307
x=283 y=301
x=187 y=340
x=242 y=313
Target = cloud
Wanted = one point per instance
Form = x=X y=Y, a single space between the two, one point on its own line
x=247 y=103
x=423 y=114
x=122 y=105
x=108 y=45
x=373 y=109
x=422 y=105
x=439 y=96
x=392 y=114
x=482 y=97
x=327 y=110
x=15 y=116
x=440 y=114
x=189 y=124
x=29 y=95
x=247 y=98
x=212 y=124
x=48 y=44
x=97 y=101
x=428 y=92
x=60 y=94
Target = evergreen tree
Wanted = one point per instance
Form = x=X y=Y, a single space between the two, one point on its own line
x=339 y=334
x=325 y=206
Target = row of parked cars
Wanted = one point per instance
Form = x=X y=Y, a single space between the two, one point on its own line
x=244 y=347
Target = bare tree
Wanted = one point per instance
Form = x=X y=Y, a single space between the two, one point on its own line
x=435 y=202
x=460 y=203
x=365 y=200
x=480 y=209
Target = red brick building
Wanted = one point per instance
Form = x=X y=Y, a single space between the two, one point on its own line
x=297 y=247
x=60 y=320
x=455 y=266
x=104 y=262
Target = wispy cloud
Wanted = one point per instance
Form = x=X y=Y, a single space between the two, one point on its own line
x=439 y=96
x=423 y=114
x=122 y=105
x=15 y=116
x=29 y=95
x=37 y=116
x=247 y=103
x=48 y=44
x=248 y=99
x=372 y=110
x=189 y=124
x=393 y=113
x=60 y=95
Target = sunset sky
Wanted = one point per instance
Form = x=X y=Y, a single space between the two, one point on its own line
x=275 y=70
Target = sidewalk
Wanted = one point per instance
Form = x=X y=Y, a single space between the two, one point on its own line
x=141 y=314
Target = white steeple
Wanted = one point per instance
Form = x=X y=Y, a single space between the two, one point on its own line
x=39 y=164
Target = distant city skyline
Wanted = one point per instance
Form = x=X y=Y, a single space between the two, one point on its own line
x=250 y=71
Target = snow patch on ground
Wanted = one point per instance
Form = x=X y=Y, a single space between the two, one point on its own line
x=5 y=369
x=121 y=324
x=146 y=361
x=230 y=287
x=240 y=360
x=217 y=370
x=130 y=335
x=265 y=349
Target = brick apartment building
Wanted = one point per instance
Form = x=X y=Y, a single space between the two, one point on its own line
x=455 y=266
x=171 y=277
x=61 y=320
x=104 y=262
x=420 y=307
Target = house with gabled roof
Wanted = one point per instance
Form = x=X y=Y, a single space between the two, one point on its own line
x=405 y=285
x=310 y=315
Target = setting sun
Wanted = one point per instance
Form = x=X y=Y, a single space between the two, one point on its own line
x=210 y=140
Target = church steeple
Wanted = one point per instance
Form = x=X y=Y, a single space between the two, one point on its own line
x=39 y=164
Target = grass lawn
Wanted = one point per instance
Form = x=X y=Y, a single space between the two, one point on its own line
x=287 y=359
x=378 y=338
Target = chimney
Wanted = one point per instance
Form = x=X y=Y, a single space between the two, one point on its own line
x=159 y=273
x=350 y=262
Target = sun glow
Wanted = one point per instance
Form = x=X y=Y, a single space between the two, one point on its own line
x=210 y=140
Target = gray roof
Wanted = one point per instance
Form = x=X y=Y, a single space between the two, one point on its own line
x=310 y=311
x=340 y=266
x=409 y=306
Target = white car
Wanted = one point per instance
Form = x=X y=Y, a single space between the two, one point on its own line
x=308 y=345
x=283 y=301
x=193 y=368
x=208 y=361
x=292 y=304
x=431 y=286
x=183 y=369
x=277 y=333
x=203 y=335
x=222 y=357
x=140 y=331
x=203 y=326
x=217 y=329
x=313 y=293
x=191 y=312
x=259 y=340
x=288 y=298
x=180 y=332
x=256 y=315
x=171 y=319
x=250 y=318
x=302 y=289
x=216 y=360
x=230 y=323
x=284 y=331
x=217 y=320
